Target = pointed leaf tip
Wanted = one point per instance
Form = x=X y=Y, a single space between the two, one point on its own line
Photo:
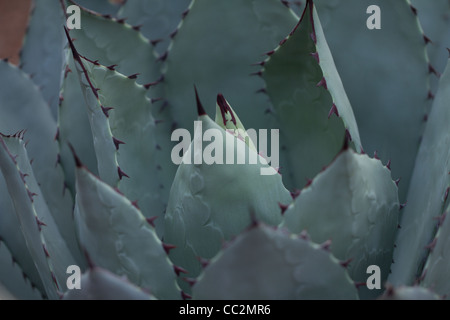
x=224 y=108
x=200 y=110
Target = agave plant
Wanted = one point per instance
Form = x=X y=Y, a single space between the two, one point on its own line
x=87 y=124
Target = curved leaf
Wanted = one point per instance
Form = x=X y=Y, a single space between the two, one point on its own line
x=430 y=184
x=306 y=91
x=42 y=54
x=23 y=108
x=385 y=75
x=264 y=264
x=117 y=237
x=216 y=201
x=12 y=278
x=360 y=214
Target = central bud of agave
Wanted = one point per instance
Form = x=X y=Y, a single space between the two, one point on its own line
x=229 y=141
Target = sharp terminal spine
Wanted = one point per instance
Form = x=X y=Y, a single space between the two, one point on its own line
x=200 y=110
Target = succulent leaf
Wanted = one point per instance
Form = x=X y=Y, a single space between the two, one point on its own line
x=23 y=108
x=264 y=263
x=39 y=229
x=117 y=237
x=426 y=197
x=113 y=42
x=385 y=74
x=42 y=54
x=74 y=127
x=360 y=214
x=218 y=201
x=305 y=89
x=438 y=262
x=12 y=236
x=13 y=279
x=120 y=113
x=434 y=19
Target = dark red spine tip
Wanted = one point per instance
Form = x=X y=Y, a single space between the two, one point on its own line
x=185 y=296
x=121 y=173
x=117 y=143
x=179 y=270
x=200 y=110
x=283 y=207
x=224 y=108
x=295 y=194
x=133 y=76
x=151 y=221
x=333 y=110
x=323 y=83
x=168 y=247
x=427 y=40
x=106 y=111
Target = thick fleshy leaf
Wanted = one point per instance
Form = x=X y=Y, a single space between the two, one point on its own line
x=216 y=201
x=23 y=108
x=12 y=236
x=360 y=214
x=435 y=21
x=437 y=268
x=309 y=100
x=74 y=128
x=264 y=263
x=115 y=43
x=131 y=152
x=428 y=193
x=99 y=284
x=42 y=55
x=12 y=278
x=117 y=237
x=385 y=75
x=34 y=216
